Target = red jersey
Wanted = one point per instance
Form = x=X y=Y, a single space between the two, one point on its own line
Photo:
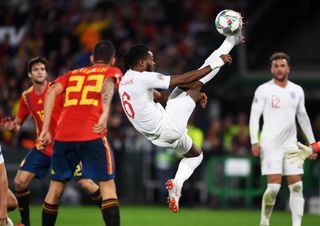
x=32 y=103
x=82 y=105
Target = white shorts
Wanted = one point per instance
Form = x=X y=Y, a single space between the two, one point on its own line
x=274 y=161
x=177 y=113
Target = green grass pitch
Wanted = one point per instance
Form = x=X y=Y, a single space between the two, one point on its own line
x=161 y=216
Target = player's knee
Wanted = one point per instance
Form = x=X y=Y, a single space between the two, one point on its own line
x=195 y=151
x=12 y=202
x=270 y=195
x=54 y=194
x=87 y=184
x=296 y=187
x=20 y=184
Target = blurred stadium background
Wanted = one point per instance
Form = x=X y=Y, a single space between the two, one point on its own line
x=181 y=35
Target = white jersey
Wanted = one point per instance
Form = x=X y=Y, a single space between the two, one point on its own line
x=279 y=107
x=1 y=157
x=136 y=95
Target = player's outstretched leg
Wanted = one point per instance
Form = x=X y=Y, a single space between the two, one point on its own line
x=187 y=165
x=174 y=194
x=225 y=48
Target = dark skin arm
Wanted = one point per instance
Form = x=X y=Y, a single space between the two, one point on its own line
x=162 y=98
x=187 y=79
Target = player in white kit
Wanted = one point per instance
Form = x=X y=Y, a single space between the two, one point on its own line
x=166 y=127
x=7 y=199
x=279 y=101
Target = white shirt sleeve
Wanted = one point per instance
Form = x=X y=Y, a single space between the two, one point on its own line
x=154 y=80
x=256 y=111
x=304 y=120
x=1 y=157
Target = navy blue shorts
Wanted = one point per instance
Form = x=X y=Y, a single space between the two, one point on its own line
x=95 y=156
x=36 y=162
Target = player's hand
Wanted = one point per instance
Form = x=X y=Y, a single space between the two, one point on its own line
x=9 y=124
x=313 y=156
x=298 y=156
x=101 y=126
x=203 y=99
x=255 y=150
x=44 y=139
x=227 y=59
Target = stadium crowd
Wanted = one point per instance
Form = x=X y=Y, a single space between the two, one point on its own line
x=179 y=33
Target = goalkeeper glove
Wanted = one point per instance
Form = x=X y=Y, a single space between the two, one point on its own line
x=298 y=156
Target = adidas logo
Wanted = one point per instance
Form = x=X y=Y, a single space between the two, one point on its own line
x=40 y=101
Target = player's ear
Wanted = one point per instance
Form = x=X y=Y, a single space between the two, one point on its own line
x=91 y=59
x=29 y=75
x=142 y=62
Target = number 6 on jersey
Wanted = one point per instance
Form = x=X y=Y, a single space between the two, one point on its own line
x=125 y=98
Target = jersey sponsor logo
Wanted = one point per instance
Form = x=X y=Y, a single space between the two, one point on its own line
x=160 y=77
x=127 y=82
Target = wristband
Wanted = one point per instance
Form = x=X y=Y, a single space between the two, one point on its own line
x=315 y=147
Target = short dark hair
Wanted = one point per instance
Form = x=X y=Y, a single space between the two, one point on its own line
x=36 y=60
x=134 y=54
x=103 y=51
x=280 y=55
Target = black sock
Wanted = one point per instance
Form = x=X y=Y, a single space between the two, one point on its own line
x=23 y=198
x=110 y=212
x=96 y=197
x=49 y=214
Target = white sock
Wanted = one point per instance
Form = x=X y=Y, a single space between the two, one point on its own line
x=296 y=203
x=186 y=168
x=268 y=202
x=225 y=48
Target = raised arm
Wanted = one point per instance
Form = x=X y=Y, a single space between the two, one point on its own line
x=187 y=78
x=106 y=97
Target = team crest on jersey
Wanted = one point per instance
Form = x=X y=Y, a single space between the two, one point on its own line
x=293 y=95
x=160 y=76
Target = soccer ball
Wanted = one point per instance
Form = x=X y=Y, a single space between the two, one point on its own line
x=228 y=22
